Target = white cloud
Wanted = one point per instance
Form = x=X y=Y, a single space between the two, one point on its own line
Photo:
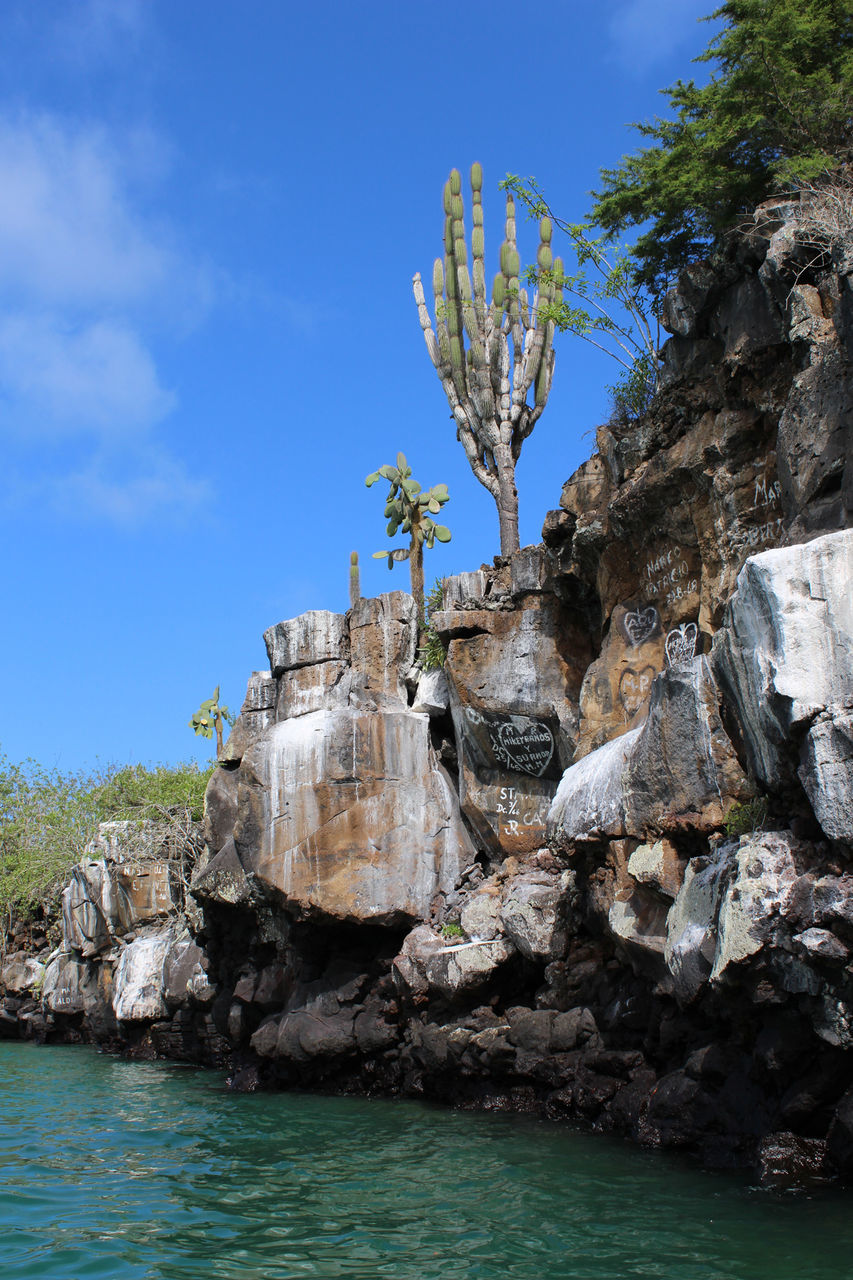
x=158 y=486
x=645 y=32
x=97 y=378
x=68 y=232
x=128 y=489
x=88 y=281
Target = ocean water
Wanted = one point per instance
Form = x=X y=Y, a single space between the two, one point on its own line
x=113 y=1170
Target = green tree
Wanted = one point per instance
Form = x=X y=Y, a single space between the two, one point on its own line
x=509 y=349
x=776 y=112
x=410 y=509
x=602 y=302
x=47 y=818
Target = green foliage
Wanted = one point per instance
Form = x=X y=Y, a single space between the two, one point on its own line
x=450 y=929
x=432 y=653
x=776 y=113
x=211 y=717
x=743 y=819
x=47 y=818
x=410 y=509
x=632 y=394
x=606 y=306
x=137 y=791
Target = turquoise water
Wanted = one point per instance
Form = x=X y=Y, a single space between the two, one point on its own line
x=129 y=1170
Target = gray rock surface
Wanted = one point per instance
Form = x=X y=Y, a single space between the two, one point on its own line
x=70 y=984
x=139 y=982
x=691 y=927
x=659 y=866
x=785 y=658
x=638 y=921
x=383 y=639
x=257 y=714
x=753 y=909
x=432 y=694
x=826 y=772
x=535 y=912
x=316 y=636
x=427 y=963
x=21 y=973
x=680 y=762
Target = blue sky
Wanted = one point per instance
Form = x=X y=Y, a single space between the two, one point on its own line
x=210 y=215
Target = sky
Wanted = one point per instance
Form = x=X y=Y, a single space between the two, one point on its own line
x=210 y=216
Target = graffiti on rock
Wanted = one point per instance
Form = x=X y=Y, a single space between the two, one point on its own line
x=640 y=625
x=680 y=645
x=670 y=575
x=522 y=744
x=634 y=688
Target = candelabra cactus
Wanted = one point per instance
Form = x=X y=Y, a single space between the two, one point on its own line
x=410 y=509
x=354 y=579
x=509 y=350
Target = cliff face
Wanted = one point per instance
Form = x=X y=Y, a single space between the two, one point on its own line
x=599 y=865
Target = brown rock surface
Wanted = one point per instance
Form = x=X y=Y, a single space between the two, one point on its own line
x=749 y=447
x=348 y=814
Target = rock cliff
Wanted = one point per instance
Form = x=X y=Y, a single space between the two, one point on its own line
x=600 y=864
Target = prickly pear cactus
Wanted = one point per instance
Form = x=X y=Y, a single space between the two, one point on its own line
x=410 y=509
x=210 y=718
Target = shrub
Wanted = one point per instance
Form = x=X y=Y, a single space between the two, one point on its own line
x=825 y=211
x=47 y=817
x=432 y=652
x=743 y=819
x=631 y=396
x=161 y=791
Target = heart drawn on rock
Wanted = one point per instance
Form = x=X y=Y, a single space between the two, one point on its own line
x=681 y=643
x=641 y=624
x=634 y=688
x=526 y=747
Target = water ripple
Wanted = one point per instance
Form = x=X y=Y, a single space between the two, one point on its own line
x=143 y=1171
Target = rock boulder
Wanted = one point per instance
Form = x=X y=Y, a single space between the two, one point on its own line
x=348 y=814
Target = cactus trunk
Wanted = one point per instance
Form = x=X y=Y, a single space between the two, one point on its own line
x=416 y=569
x=507 y=500
x=354 y=579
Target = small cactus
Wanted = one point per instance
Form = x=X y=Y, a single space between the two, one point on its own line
x=354 y=579
x=211 y=717
x=409 y=509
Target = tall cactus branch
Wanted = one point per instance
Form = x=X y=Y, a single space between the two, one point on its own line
x=489 y=356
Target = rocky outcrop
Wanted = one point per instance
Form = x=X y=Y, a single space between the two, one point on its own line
x=679 y=770
x=786 y=658
x=347 y=813
x=748 y=448
x=126 y=964
x=601 y=865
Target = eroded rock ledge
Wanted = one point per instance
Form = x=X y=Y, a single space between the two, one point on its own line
x=600 y=865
